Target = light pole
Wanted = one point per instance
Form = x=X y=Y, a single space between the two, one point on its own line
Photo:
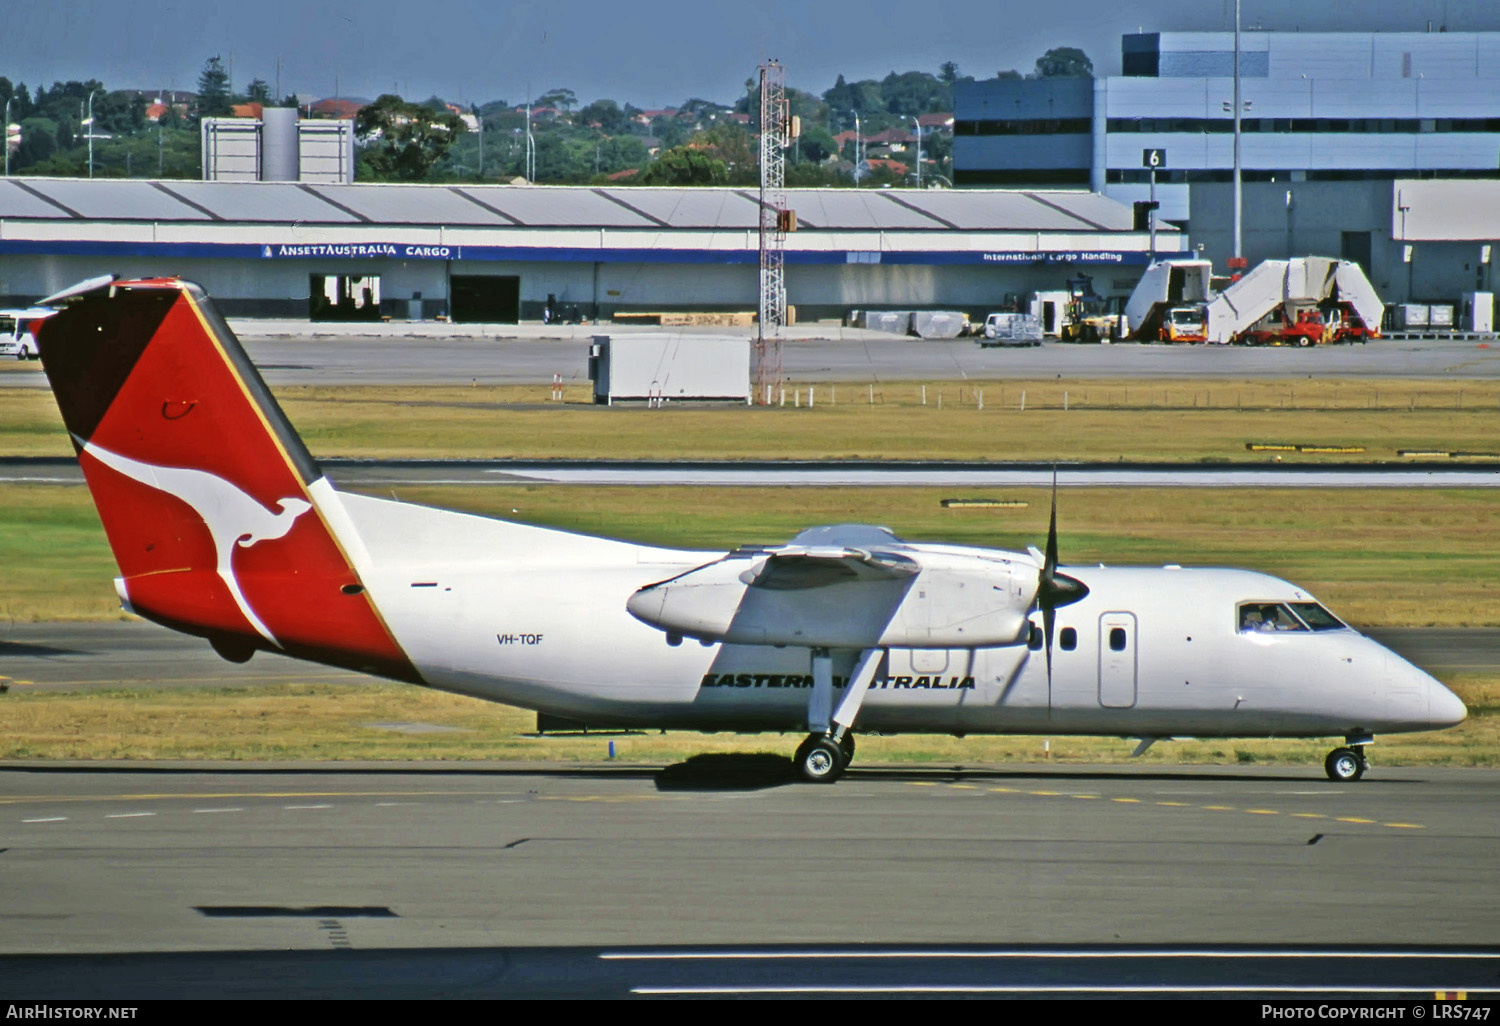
x=89 y=122
x=7 y=135
x=1239 y=252
x=530 y=148
x=918 y=125
x=856 y=147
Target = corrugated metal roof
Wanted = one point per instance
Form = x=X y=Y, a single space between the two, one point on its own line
x=19 y=201
x=504 y=206
x=254 y=202
x=728 y=209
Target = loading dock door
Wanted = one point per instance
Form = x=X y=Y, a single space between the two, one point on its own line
x=485 y=299
x=343 y=297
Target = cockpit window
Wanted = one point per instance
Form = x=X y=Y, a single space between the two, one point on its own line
x=1316 y=617
x=1268 y=618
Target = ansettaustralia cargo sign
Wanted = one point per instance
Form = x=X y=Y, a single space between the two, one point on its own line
x=404 y=251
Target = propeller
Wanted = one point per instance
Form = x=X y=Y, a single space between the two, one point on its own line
x=1054 y=590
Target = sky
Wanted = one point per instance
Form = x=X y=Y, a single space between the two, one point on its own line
x=652 y=53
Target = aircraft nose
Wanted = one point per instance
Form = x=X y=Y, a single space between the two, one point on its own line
x=1444 y=708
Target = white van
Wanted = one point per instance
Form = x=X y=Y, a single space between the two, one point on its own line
x=18 y=332
x=1011 y=329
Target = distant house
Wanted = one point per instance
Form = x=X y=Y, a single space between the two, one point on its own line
x=338 y=109
x=891 y=137
x=155 y=110
x=624 y=176
x=247 y=110
x=894 y=166
x=936 y=122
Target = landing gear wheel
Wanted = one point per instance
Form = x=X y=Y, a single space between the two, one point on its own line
x=846 y=748
x=1345 y=764
x=819 y=760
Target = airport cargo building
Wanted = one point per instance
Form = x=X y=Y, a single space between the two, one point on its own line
x=1315 y=107
x=500 y=253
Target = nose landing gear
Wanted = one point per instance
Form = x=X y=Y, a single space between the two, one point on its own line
x=1348 y=763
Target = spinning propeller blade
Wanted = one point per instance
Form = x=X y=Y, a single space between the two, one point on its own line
x=1054 y=590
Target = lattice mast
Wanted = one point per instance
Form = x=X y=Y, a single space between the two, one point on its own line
x=776 y=133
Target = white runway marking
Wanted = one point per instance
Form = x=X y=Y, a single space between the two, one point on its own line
x=127 y=815
x=211 y=811
x=46 y=819
x=1273 y=953
x=307 y=806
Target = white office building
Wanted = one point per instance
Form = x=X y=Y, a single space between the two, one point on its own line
x=1316 y=106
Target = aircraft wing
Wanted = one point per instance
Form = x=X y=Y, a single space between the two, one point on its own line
x=794 y=567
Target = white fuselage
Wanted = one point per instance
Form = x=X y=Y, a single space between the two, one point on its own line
x=537 y=618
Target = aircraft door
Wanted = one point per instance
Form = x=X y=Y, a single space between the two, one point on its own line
x=1117 y=660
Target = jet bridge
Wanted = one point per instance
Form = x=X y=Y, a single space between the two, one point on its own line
x=1301 y=281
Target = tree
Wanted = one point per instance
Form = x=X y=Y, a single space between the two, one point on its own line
x=913 y=92
x=562 y=99
x=685 y=165
x=816 y=144
x=38 y=141
x=840 y=97
x=1064 y=62
x=404 y=140
x=606 y=114
x=734 y=146
x=213 y=90
x=258 y=92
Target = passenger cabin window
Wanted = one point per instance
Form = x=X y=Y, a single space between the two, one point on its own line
x=1067 y=640
x=1117 y=639
x=1268 y=618
x=1034 y=639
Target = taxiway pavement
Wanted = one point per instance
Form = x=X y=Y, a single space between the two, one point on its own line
x=215 y=873
x=429 y=354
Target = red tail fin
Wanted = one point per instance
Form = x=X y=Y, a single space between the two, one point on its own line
x=217 y=514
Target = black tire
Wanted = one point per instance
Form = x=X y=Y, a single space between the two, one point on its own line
x=1345 y=765
x=819 y=761
x=1303 y=342
x=846 y=748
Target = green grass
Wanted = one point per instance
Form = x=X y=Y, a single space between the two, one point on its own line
x=1379 y=557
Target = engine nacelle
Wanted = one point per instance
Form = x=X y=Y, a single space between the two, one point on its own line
x=847 y=598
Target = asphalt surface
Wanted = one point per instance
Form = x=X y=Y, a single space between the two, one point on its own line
x=721 y=877
x=290 y=354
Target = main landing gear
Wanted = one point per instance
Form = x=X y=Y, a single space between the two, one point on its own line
x=826 y=753
x=1348 y=764
x=822 y=760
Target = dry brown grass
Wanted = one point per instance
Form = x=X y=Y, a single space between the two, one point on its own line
x=1191 y=420
x=295 y=722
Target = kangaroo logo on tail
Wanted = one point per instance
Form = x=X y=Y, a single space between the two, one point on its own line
x=234 y=518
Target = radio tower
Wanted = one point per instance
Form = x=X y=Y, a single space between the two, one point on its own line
x=776 y=133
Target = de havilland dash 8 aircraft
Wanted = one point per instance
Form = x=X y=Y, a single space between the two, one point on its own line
x=225 y=528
